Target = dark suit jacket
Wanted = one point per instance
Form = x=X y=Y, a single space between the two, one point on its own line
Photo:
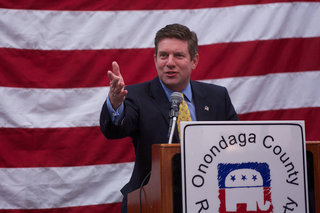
x=147 y=119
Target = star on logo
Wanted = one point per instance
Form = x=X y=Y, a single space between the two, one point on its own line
x=254 y=177
x=243 y=177
x=233 y=178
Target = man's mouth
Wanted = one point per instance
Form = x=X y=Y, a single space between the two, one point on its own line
x=171 y=73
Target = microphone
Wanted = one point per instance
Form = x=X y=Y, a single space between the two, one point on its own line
x=175 y=99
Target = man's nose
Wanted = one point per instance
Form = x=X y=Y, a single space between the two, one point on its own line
x=170 y=61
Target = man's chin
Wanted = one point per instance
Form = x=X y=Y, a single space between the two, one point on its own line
x=173 y=85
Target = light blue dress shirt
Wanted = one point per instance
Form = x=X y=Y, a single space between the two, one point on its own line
x=187 y=92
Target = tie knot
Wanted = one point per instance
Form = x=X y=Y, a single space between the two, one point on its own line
x=183 y=98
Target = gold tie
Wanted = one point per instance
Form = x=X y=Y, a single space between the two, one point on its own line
x=184 y=113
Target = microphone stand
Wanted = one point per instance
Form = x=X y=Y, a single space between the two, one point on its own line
x=174 y=122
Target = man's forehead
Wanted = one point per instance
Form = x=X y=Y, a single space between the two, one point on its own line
x=172 y=44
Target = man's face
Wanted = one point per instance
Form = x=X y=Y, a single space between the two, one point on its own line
x=173 y=63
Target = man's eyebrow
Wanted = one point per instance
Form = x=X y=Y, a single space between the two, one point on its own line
x=179 y=52
x=162 y=52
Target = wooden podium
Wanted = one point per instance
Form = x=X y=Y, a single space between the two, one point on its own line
x=157 y=195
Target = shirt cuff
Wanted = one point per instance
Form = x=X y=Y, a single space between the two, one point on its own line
x=115 y=115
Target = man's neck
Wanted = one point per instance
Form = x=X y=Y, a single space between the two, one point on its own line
x=186 y=91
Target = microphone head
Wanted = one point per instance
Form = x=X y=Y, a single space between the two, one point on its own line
x=176 y=97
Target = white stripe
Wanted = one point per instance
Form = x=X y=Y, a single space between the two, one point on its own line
x=48 y=108
x=273 y=91
x=68 y=30
x=57 y=187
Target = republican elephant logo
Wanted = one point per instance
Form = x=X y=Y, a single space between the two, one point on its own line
x=244 y=187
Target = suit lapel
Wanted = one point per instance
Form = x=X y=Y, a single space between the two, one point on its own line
x=201 y=104
x=162 y=103
x=159 y=98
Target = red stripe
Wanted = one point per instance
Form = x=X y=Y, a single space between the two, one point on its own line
x=88 y=68
x=103 y=208
x=258 y=58
x=86 y=145
x=58 y=147
x=128 y=5
x=71 y=69
x=309 y=115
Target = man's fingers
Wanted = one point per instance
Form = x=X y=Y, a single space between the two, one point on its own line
x=116 y=82
x=110 y=75
x=118 y=87
x=116 y=69
x=120 y=95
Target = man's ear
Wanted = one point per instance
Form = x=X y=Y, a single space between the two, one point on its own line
x=195 y=61
x=155 y=58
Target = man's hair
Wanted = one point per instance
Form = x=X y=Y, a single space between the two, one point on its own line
x=180 y=32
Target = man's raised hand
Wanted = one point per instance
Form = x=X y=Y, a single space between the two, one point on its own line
x=117 y=93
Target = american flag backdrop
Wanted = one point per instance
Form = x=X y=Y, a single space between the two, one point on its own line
x=54 y=57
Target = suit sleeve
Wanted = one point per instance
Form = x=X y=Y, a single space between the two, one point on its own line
x=231 y=114
x=106 y=124
x=129 y=123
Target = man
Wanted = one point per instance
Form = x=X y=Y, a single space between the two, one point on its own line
x=141 y=111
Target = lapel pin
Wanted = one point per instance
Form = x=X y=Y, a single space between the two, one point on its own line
x=206 y=108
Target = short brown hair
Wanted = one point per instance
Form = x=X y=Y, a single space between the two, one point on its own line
x=180 y=32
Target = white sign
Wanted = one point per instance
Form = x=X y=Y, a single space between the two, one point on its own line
x=244 y=167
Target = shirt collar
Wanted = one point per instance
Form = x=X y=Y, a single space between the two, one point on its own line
x=187 y=92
